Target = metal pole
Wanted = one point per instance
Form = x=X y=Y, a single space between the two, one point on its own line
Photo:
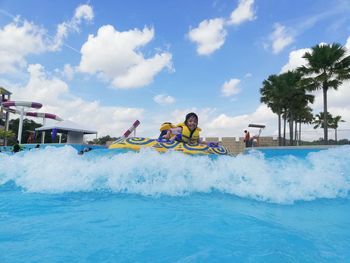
x=43 y=133
x=7 y=121
x=20 y=126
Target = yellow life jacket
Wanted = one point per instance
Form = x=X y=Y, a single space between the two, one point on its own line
x=166 y=126
x=188 y=136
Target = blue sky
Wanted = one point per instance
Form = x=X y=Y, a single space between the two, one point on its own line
x=106 y=63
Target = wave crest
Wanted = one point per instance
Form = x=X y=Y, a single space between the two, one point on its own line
x=323 y=174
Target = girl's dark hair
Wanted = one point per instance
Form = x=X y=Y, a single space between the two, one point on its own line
x=191 y=114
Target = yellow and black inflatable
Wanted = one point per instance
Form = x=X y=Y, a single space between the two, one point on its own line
x=137 y=143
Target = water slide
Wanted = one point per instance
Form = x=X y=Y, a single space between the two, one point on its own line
x=27 y=104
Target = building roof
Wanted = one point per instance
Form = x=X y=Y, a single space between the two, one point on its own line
x=66 y=126
x=4 y=91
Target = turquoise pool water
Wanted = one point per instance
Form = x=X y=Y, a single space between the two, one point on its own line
x=109 y=206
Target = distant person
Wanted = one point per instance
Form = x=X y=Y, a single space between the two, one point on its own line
x=30 y=138
x=85 y=150
x=37 y=146
x=16 y=148
x=247 y=138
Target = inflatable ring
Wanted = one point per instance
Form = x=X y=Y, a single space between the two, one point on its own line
x=169 y=144
x=138 y=143
x=219 y=150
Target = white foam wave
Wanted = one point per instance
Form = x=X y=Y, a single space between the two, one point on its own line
x=324 y=174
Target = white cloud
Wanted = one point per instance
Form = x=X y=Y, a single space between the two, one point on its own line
x=164 y=99
x=143 y=73
x=248 y=75
x=68 y=71
x=295 y=59
x=209 y=36
x=116 y=56
x=21 y=38
x=235 y=125
x=17 y=40
x=230 y=87
x=40 y=88
x=244 y=12
x=82 y=13
x=57 y=99
x=281 y=37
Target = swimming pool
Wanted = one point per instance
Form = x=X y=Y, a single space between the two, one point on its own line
x=106 y=206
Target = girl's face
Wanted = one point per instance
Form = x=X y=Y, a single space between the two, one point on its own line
x=192 y=123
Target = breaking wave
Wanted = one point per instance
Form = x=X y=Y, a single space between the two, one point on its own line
x=323 y=174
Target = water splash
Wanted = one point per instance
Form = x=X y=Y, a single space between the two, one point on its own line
x=323 y=174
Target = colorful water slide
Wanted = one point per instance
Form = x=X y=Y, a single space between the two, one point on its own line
x=38 y=114
x=35 y=105
x=27 y=104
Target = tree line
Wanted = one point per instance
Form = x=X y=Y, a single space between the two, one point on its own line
x=286 y=94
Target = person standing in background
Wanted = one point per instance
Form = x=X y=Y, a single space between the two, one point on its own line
x=30 y=138
x=247 y=138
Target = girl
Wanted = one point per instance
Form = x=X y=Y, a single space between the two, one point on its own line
x=189 y=130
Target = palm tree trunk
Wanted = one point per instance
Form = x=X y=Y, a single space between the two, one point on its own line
x=296 y=133
x=300 y=133
x=284 y=130
x=336 y=137
x=325 y=113
x=279 y=128
x=291 y=130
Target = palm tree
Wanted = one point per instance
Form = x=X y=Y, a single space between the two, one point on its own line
x=319 y=120
x=327 y=67
x=334 y=125
x=272 y=94
x=296 y=98
x=285 y=94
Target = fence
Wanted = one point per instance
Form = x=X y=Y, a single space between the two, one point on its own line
x=236 y=145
